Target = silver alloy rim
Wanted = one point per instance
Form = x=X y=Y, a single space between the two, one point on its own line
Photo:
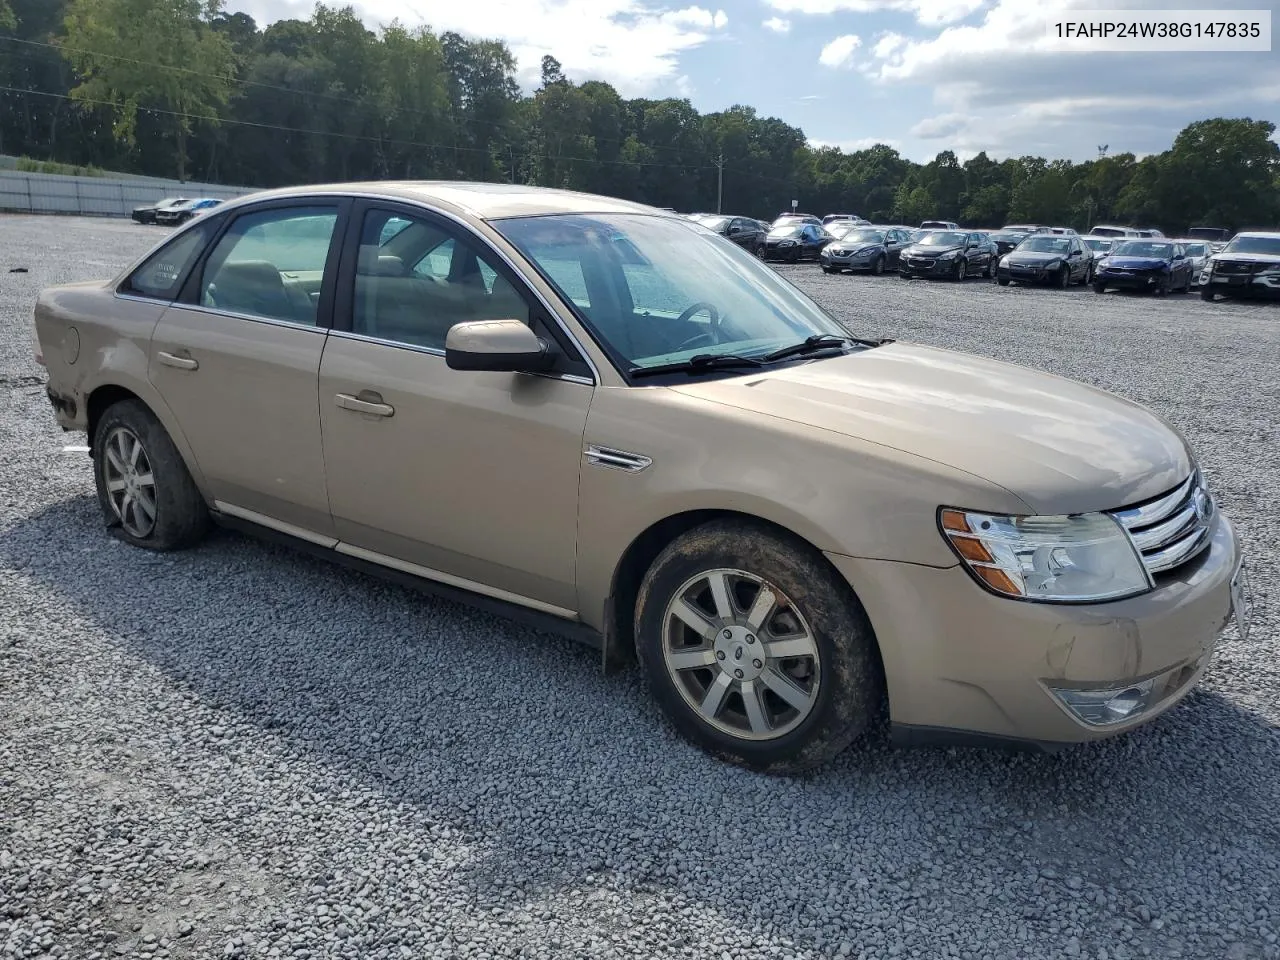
x=741 y=654
x=130 y=482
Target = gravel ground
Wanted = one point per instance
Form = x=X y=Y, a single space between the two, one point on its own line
x=240 y=751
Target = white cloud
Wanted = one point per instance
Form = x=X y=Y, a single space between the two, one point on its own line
x=839 y=52
x=630 y=43
x=777 y=25
x=941 y=127
x=696 y=17
x=927 y=12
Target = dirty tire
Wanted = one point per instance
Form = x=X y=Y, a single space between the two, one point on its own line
x=182 y=518
x=849 y=695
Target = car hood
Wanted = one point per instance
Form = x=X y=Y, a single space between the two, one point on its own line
x=1136 y=263
x=916 y=250
x=1059 y=445
x=1019 y=256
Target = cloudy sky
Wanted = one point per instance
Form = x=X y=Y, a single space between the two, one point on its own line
x=922 y=75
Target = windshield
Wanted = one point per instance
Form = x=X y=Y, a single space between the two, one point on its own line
x=1107 y=232
x=946 y=238
x=1266 y=245
x=1019 y=228
x=853 y=235
x=787 y=230
x=1044 y=244
x=655 y=291
x=1097 y=243
x=1144 y=248
x=714 y=223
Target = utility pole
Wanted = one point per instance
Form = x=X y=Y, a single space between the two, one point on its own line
x=719 y=181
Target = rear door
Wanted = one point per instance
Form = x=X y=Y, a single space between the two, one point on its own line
x=237 y=361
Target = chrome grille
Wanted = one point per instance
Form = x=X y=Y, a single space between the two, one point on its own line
x=1171 y=529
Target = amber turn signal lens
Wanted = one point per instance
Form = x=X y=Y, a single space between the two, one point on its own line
x=954 y=520
x=997 y=579
x=972 y=549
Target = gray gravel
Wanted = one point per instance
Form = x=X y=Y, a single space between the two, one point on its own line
x=239 y=751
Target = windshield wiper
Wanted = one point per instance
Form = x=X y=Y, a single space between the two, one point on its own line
x=698 y=363
x=818 y=343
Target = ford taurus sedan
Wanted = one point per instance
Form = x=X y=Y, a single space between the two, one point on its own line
x=611 y=422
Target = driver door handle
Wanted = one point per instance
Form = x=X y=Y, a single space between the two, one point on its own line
x=367 y=402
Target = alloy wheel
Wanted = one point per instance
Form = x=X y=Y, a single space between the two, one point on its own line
x=130 y=482
x=741 y=654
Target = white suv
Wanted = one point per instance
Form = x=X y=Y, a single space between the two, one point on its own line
x=1248 y=266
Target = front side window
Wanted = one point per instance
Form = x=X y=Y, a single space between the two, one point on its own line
x=161 y=274
x=270 y=264
x=415 y=279
x=662 y=291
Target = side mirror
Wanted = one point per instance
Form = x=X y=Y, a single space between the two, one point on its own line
x=1179 y=256
x=496 y=345
x=733 y=230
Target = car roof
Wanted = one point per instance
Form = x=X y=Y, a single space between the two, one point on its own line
x=1258 y=235
x=483 y=201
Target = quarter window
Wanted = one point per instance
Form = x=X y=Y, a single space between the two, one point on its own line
x=162 y=273
x=271 y=264
x=417 y=280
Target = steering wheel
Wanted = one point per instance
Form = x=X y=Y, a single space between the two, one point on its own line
x=711 y=335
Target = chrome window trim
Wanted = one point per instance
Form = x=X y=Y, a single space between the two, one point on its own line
x=272 y=321
x=437 y=352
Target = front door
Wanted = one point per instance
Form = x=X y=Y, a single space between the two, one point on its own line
x=238 y=364
x=462 y=476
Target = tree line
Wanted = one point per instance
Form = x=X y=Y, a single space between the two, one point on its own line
x=186 y=88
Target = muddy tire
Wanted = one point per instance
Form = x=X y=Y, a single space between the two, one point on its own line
x=144 y=489
x=755 y=648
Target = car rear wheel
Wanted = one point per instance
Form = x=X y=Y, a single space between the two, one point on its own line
x=990 y=270
x=145 y=490
x=755 y=648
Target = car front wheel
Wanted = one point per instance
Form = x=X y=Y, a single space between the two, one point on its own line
x=145 y=490
x=1206 y=293
x=755 y=648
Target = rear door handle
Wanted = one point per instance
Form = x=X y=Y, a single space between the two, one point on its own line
x=367 y=402
x=173 y=360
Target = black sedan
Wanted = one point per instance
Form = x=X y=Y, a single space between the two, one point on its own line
x=1008 y=237
x=147 y=214
x=863 y=248
x=1046 y=258
x=951 y=254
x=1153 y=266
x=794 y=242
x=746 y=233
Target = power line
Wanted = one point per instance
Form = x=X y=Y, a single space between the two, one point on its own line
x=354 y=101
x=213 y=118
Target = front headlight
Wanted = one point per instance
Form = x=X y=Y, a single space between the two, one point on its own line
x=786 y=243
x=1053 y=265
x=950 y=256
x=1063 y=559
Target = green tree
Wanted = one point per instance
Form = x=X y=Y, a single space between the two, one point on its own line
x=157 y=54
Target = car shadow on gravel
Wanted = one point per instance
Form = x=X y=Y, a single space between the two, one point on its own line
x=574 y=783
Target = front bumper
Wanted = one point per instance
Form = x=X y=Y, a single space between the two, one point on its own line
x=926 y=267
x=1022 y=274
x=965 y=662
x=1131 y=280
x=771 y=251
x=1235 y=284
x=849 y=261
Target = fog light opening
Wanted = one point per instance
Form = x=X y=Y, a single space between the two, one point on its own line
x=1101 y=708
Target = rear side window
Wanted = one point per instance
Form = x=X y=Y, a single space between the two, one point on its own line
x=162 y=273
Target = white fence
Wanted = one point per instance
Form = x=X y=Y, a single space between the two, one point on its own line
x=96 y=196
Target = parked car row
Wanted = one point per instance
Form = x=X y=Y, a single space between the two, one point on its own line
x=172 y=211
